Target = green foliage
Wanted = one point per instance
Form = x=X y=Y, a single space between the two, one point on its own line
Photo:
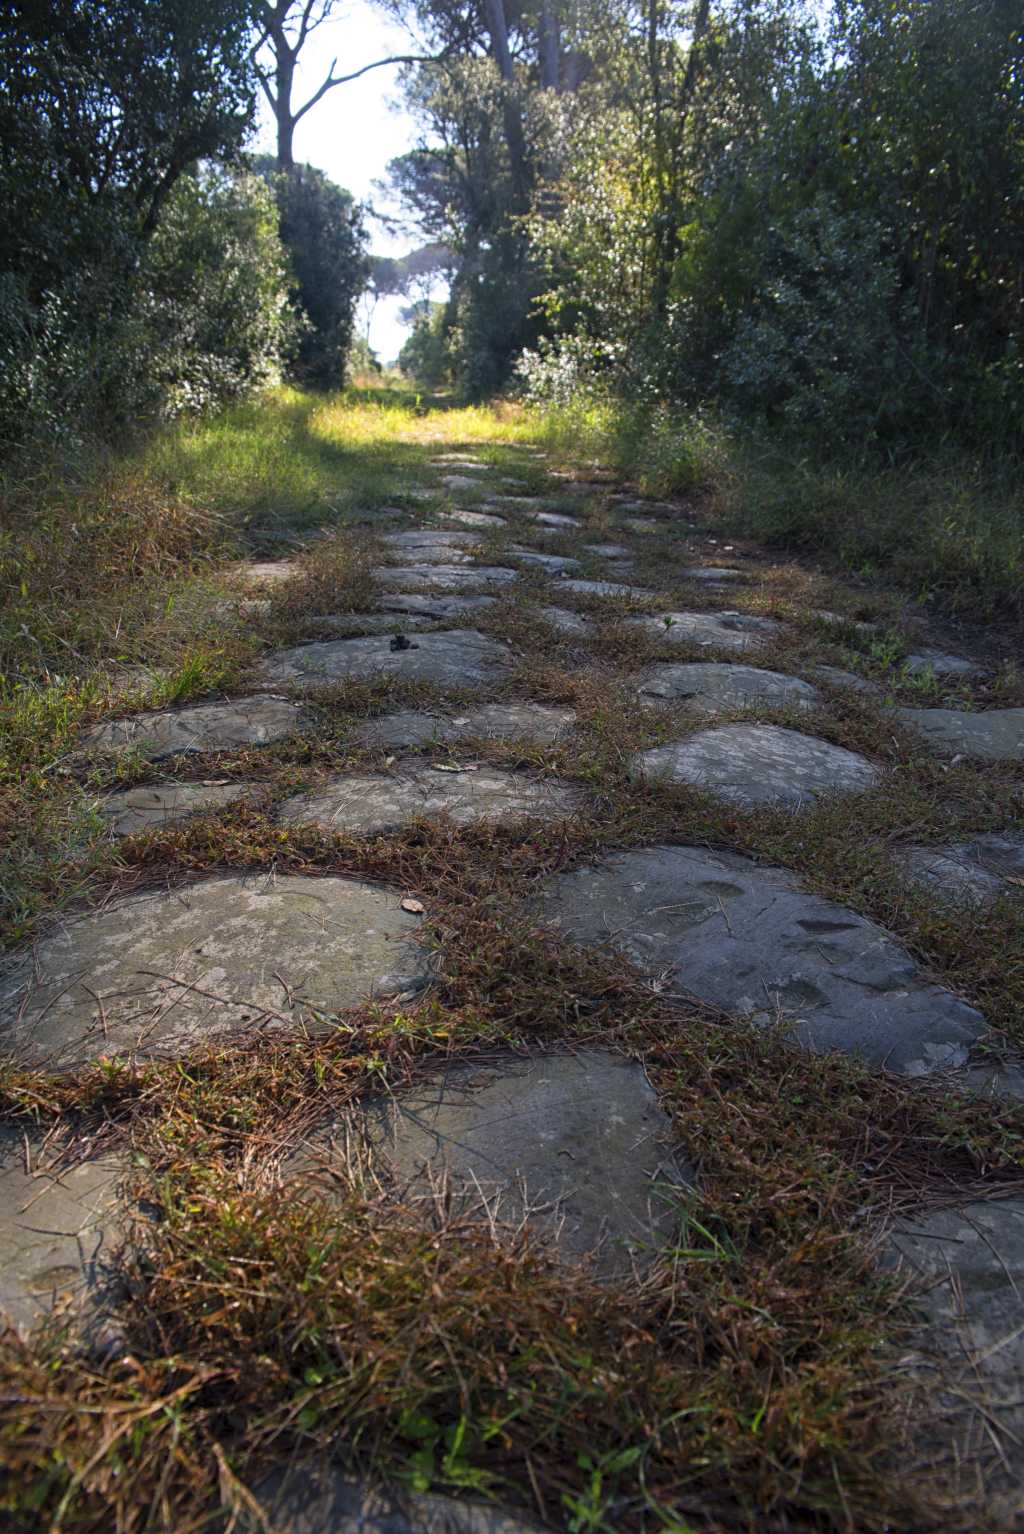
x=322 y=230
x=424 y=357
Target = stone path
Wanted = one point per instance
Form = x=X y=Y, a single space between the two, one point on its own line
x=574 y=1145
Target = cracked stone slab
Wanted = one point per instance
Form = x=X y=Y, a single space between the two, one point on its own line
x=156 y=974
x=255 y=721
x=498 y=721
x=320 y=1500
x=445 y=577
x=59 y=1233
x=474 y=518
x=451 y=658
x=565 y=621
x=604 y=589
x=578 y=1143
x=997 y=735
x=927 y=659
x=750 y=940
x=553 y=563
x=971 y=872
x=968 y=1267
x=372 y=804
x=759 y=764
x=158 y=804
x=711 y=687
x=712 y=631
x=432 y=540
x=416 y=605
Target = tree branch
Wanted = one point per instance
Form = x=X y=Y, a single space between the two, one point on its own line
x=333 y=79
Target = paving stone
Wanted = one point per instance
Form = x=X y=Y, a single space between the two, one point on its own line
x=608 y=550
x=421 y=538
x=583 y=1134
x=713 y=631
x=474 y=518
x=604 y=589
x=514 y=502
x=928 y=659
x=461 y=482
x=371 y=804
x=553 y=563
x=318 y=1500
x=748 y=939
x=997 y=735
x=458 y=461
x=498 y=721
x=642 y=525
x=59 y=1233
x=850 y=679
x=565 y=621
x=242 y=607
x=554 y=519
x=354 y=624
x=445 y=577
x=414 y=605
x=968 y=1263
x=157 y=804
x=200 y=727
x=759 y=764
x=970 y=872
x=456 y=658
x=267 y=572
x=713 y=686
x=714 y=574
x=158 y=973
x=417 y=493
x=839 y=620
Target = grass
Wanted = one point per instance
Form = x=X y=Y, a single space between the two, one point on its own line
x=270 y=1314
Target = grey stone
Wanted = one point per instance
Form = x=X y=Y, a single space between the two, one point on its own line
x=354 y=624
x=445 y=577
x=455 y=658
x=749 y=940
x=459 y=461
x=319 y=1500
x=554 y=519
x=200 y=727
x=577 y=1143
x=968 y=1267
x=460 y=482
x=59 y=1233
x=498 y=721
x=641 y=525
x=608 y=550
x=928 y=659
x=415 y=605
x=755 y=764
x=713 y=686
x=159 y=973
x=157 y=804
x=417 y=493
x=266 y=572
x=715 y=574
x=712 y=631
x=514 y=502
x=840 y=620
x=997 y=735
x=604 y=589
x=971 y=872
x=553 y=563
x=371 y=804
x=431 y=538
x=850 y=679
x=565 y=621
x=474 y=518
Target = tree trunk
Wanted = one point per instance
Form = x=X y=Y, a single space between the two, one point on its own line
x=548 y=46
x=284 y=72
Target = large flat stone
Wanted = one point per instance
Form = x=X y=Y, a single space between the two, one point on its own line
x=434 y=606
x=608 y=550
x=497 y=721
x=370 y=804
x=997 y=735
x=554 y=564
x=604 y=589
x=712 y=631
x=158 y=804
x=926 y=658
x=715 y=575
x=433 y=544
x=456 y=658
x=461 y=482
x=967 y=1264
x=551 y=518
x=444 y=577
x=316 y=1499
x=848 y=679
x=265 y=572
x=577 y=1142
x=354 y=624
x=201 y=727
x=755 y=764
x=155 y=974
x=713 y=686
x=565 y=621
x=970 y=872
x=749 y=940
x=59 y=1232
x=474 y=518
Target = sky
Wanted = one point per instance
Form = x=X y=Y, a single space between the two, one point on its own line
x=354 y=131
